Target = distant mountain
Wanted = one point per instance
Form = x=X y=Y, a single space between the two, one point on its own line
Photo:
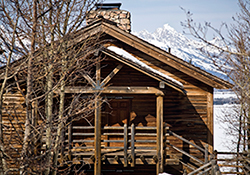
x=189 y=50
x=181 y=46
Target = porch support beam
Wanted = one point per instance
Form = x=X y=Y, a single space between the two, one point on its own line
x=114 y=90
x=159 y=116
x=111 y=74
x=98 y=159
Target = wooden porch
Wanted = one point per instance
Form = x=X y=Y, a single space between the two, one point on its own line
x=115 y=144
x=134 y=146
x=126 y=145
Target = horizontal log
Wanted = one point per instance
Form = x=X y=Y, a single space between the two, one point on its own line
x=113 y=127
x=110 y=147
x=81 y=141
x=226 y=165
x=113 y=141
x=115 y=90
x=143 y=128
x=83 y=127
x=143 y=148
x=232 y=172
x=113 y=134
x=144 y=141
x=83 y=134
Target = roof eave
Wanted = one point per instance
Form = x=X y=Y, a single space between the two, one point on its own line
x=133 y=65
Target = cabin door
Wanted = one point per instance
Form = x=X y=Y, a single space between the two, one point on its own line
x=118 y=112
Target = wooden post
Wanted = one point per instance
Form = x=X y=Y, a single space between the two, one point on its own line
x=98 y=160
x=125 y=145
x=210 y=120
x=70 y=138
x=206 y=155
x=133 y=145
x=159 y=116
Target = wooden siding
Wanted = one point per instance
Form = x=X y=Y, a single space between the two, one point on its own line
x=13 y=126
x=190 y=115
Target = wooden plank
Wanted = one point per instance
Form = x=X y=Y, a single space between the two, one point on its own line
x=83 y=127
x=159 y=116
x=210 y=120
x=125 y=145
x=70 y=140
x=133 y=144
x=98 y=161
x=114 y=90
x=111 y=74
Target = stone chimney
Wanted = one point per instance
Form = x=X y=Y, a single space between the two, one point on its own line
x=112 y=12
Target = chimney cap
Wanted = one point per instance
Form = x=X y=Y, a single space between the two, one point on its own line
x=108 y=6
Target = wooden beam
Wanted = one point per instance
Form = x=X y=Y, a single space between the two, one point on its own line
x=70 y=140
x=210 y=120
x=98 y=159
x=132 y=145
x=125 y=145
x=159 y=120
x=111 y=74
x=90 y=80
x=114 y=90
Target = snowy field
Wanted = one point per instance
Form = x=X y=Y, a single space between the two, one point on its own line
x=222 y=139
x=222 y=113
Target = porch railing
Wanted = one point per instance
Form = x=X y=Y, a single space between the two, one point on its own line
x=233 y=162
x=209 y=165
x=123 y=144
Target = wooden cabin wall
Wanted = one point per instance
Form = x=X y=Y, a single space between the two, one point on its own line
x=189 y=115
x=13 y=126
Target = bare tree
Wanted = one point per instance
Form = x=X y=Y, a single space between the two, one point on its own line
x=48 y=58
x=232 y=57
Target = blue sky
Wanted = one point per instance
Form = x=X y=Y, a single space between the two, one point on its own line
x=152 y=14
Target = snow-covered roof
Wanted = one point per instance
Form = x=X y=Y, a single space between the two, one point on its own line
x=130 y=57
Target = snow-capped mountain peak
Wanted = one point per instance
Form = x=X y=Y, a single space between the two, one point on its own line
x=185 y=48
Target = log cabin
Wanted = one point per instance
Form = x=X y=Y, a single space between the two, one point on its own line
x=159 y=111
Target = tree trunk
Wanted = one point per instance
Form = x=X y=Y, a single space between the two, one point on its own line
x=61 y=125
x=49 y=108
x=29 y=90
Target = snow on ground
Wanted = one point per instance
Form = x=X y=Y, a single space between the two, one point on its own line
x=224 y=94
x=222 y=139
